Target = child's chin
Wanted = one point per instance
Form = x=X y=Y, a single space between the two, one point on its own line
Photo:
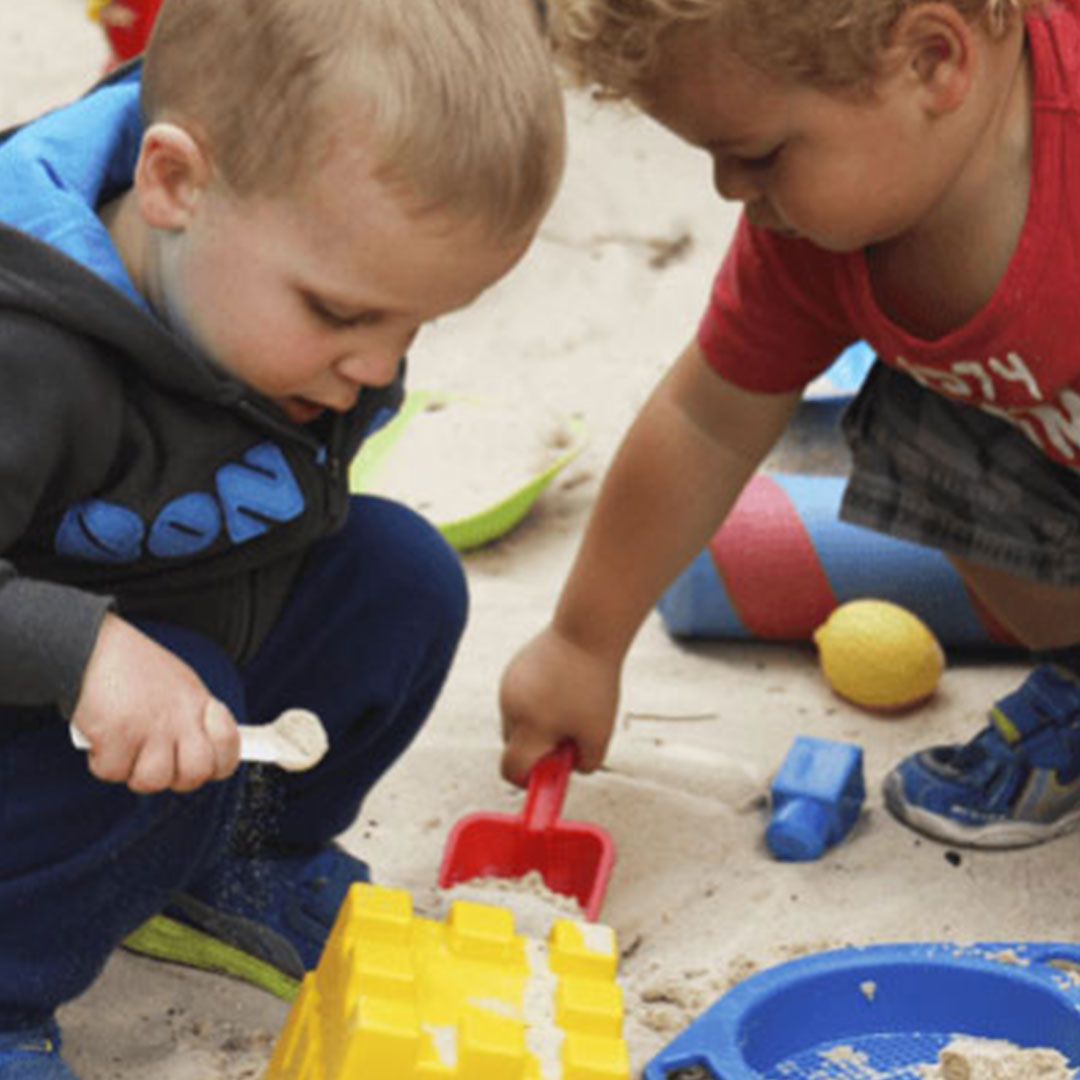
x=766 y=219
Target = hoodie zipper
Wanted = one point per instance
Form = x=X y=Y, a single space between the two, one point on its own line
x=336 y=493
x=329 y=452
x=331 y=466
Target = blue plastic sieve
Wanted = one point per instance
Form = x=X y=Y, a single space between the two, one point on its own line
x=880 y=1012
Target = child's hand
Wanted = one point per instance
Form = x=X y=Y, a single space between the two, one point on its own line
x=151 y=722
x=555 y=690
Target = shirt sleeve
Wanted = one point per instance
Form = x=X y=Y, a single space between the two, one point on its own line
x=57 y=426
x=774 y=319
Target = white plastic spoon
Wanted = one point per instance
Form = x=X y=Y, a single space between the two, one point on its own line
x=295 y=741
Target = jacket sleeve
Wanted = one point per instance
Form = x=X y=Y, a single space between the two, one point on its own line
x=59 y=418
x=47 y=633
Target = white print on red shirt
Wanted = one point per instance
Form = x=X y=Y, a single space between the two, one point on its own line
x=1006 y=388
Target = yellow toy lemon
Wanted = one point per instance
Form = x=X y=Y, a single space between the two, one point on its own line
x=879 y=655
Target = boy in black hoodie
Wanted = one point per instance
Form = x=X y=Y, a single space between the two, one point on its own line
x=210 y=270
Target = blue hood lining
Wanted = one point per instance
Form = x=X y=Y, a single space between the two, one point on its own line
x=56 y=171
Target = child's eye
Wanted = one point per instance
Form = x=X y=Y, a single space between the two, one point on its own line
x=340 y=320
x=760 y=161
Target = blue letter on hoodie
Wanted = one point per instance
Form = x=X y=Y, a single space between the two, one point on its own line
x=97 y=531
x=261 y=490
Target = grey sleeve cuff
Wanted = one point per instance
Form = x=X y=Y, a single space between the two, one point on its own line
x=47 y=633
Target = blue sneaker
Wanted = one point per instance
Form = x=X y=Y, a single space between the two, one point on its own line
x=33 y=1054
x=264 y=920
x=1016 y=783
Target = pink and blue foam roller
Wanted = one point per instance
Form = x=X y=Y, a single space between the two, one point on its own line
x=783 y=561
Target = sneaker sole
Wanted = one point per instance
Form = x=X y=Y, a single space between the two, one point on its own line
x=997 y=836
x=162 y=938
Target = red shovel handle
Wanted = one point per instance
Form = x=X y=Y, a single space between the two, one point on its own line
x=547 y=788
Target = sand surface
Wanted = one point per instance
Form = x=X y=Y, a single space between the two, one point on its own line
x=584 y=326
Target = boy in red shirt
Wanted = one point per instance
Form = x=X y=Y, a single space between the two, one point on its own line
x=909 y=172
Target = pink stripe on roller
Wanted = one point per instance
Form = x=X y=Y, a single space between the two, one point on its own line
x=761 y=544
x=998 y=633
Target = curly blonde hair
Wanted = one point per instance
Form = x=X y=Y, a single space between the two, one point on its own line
x=613 y=45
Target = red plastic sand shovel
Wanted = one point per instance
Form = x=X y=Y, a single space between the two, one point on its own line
x=573 y=858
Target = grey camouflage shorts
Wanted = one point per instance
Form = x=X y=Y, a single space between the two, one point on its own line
x=960 y=480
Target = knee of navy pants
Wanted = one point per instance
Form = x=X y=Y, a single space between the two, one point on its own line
x=365 y=641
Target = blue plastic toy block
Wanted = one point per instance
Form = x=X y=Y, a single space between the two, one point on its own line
x=815 y=798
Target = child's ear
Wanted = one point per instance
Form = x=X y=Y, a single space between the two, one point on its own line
x=170 y=175
x=936 y=45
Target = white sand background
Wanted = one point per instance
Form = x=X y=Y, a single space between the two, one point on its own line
x=584 y=326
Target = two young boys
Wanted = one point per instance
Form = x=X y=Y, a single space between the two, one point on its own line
x=204 y=310
x=211 y=268
x=909 y=171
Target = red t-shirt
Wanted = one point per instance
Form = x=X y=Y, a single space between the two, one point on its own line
x=782 y=309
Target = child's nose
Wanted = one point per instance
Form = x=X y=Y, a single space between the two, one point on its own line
x=371 y=367
x=375 y=361
x=733 y=182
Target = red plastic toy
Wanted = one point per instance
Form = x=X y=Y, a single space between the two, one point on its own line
x=127 y=24
x=572 y=857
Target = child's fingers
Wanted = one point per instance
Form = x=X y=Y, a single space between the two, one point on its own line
x=154 y=768
x=524 y=749
x=224 y=738
x=112 y=760
x=196 y=763
x=592 y=749
x=208 y=752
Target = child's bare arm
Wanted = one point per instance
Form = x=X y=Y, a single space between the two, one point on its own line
x=151 y=722
x=679 y=470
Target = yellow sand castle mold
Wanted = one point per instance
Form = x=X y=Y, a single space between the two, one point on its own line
x=400 y=996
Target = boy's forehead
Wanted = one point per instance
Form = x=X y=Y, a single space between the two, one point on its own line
x=366 y=245
x=704 y=92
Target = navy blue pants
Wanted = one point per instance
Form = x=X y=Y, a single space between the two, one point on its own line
x=365 y=641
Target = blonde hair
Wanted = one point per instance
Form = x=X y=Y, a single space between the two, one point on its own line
x=458 y=98
x=614 y=45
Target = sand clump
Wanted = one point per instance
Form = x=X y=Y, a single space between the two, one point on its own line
x=968 y=1058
